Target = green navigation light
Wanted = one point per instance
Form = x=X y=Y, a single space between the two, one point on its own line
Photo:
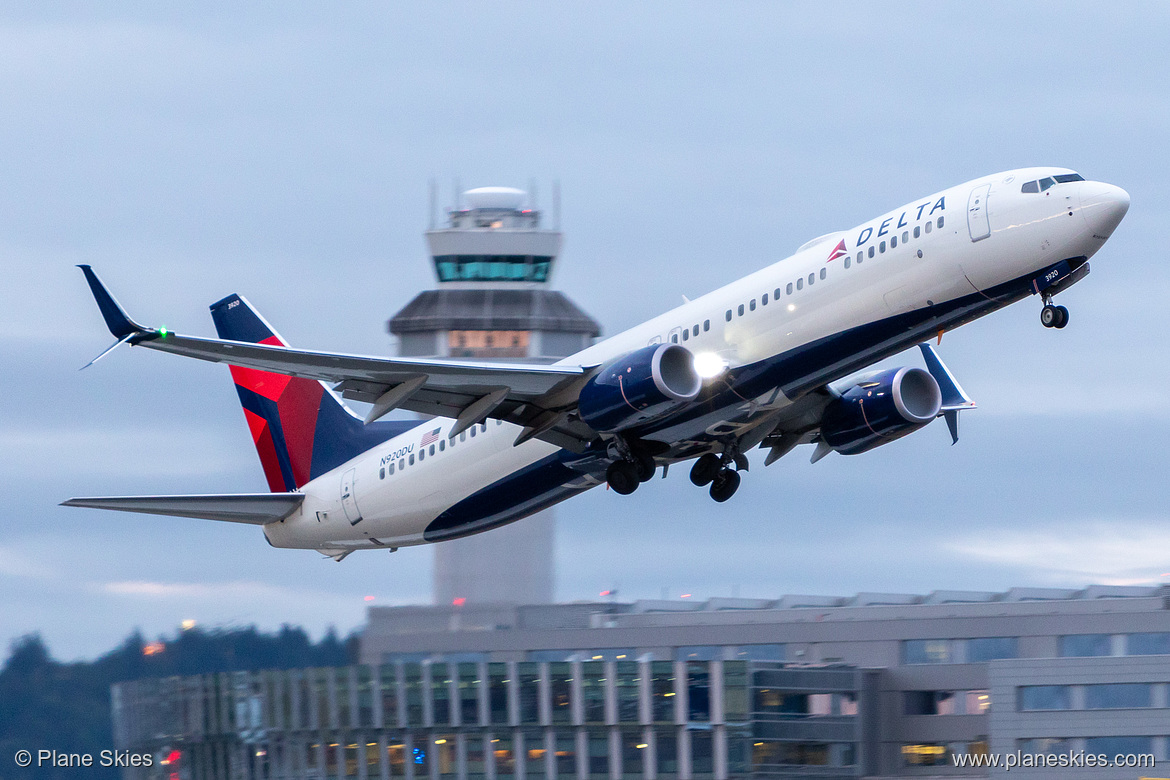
x=162 y=332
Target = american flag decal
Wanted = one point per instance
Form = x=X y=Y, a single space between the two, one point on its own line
x=430 y=438
x=838 y=251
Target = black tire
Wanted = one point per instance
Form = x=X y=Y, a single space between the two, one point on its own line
x=622 y=477
x=705 y=469
x=725 y=485
x=1049 y=316
x=1063 y=320
x=646 y=466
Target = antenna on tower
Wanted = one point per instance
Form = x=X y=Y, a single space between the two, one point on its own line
x=556 y=204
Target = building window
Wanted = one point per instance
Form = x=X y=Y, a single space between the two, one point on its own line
x=927 y=651
x=1044 y=745
x=633 y=752
x=441 y=694
x=989 y=648
x=662 y=691
x=593 y=691
x=566 y=754
x=488 y=343
x=702 y=764
x=1086 y=645
x=978 y=702
x=498 y=694
x=1030 y=698
x=735 y=692
x=929 y=754
x=1126 y=746
x=529 y=685
x=1117 y=696
x=560 y=687
x=599 y=755
x=698 y=692
x=930 y=703
x=1148 y=644
x=761 y=653
x=469 y=694
x=666 y=745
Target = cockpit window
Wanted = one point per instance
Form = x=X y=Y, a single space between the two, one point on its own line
x=1043 y=184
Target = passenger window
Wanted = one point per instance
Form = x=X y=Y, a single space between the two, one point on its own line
x=673 y=338
x=917 y=231
x=928 y=226
x=382 y=473
x=812 y=278
x=789 y=288
x=825 y=271
x=391 y=469
x=871 y=251
x=764 y=299
x=473 y=431
x=432 y=449
x=729 y=315
x=483 y=427
x=846 y=261
x=686 y=334
x=800 y=284
x=905 y=236
x=695 y=331
x=442 y=444
x=422 y=455
x=752 y=304
x=859 y=255
x=499 y=422
x=1044 y=184
x=412 y=459
x=463 y=436
x=741 y=310
x=1032 y=186
x=940 y=222
x=893 y=242
x=776 y=294
x=882 y=246
x=401 y=463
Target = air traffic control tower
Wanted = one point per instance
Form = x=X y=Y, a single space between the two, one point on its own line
x=494 y=264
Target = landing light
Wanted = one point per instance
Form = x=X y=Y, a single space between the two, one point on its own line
x=709 y=364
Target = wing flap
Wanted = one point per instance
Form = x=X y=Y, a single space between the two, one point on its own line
x=249 y=508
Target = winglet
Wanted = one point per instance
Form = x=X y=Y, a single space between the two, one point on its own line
x=954 y=398
x=116 y=319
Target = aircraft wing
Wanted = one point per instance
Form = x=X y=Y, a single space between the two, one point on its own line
x=250 y=508
x=535 y=396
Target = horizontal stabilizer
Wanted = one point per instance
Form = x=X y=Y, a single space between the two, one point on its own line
x=251 y=508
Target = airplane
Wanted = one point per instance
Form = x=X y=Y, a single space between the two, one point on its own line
x=768 y=361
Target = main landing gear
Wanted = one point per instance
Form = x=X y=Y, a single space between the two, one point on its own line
x=632 y=469
x=1053 y=316
x=719 y=472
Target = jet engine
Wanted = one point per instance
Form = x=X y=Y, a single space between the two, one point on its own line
x=639 y=386
x=882 y=407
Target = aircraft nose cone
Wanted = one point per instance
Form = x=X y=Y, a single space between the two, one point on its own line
x=1104 y=206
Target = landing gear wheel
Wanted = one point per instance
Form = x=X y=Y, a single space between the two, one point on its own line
x=622 y=477
x=1063 y=319
x=1049 y=316
x=645 y=466
x=705 y=469
x=725 y=484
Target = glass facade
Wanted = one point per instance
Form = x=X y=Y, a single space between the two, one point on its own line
x=1086 y=645
x=492 y=268
x=581 y=720
x=1043 y=697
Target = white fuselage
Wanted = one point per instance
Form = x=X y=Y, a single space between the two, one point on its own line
x=982 y=234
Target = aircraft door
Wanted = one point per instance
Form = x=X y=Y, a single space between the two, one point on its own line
x=977 y=221
x=348 y=501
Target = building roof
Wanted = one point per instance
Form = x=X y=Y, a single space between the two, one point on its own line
x=492 y=309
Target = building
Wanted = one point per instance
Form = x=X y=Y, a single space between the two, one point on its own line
x=494 y=264
x=874 y=685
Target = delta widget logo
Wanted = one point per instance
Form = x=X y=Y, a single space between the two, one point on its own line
x=838 y=251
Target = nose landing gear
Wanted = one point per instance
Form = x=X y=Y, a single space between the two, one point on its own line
x=1053 y=316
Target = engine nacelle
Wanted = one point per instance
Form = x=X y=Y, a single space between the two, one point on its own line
x=879 y=409
x=639 y=386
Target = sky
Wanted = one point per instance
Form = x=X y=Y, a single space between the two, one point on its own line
x=192 y=150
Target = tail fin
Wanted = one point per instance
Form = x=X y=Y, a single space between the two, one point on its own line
x=300 y=428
